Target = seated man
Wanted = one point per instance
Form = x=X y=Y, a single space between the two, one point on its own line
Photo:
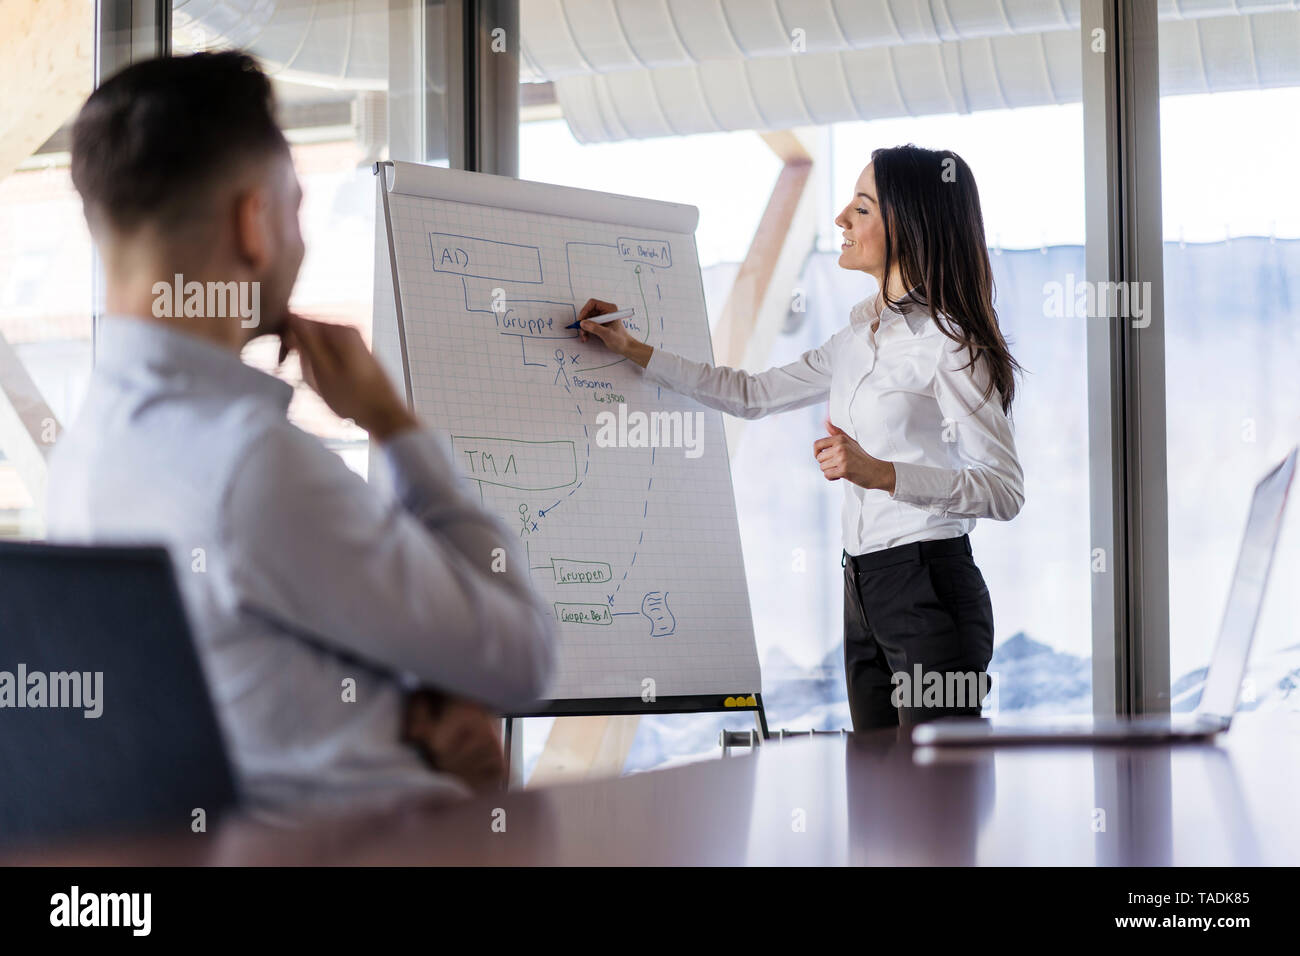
x=320 y=606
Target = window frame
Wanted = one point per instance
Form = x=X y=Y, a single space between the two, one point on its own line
x=1128 y=480
x=1125 y=366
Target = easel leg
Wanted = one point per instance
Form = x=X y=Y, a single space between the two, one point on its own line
x=513 y=745
x=760 y=718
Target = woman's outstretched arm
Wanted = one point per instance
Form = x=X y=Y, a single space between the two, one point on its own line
x=805 y=381
x=802 y=382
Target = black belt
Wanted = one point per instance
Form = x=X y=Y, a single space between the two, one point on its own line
x=916 y=551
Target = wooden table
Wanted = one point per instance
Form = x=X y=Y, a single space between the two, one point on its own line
x=828 y=801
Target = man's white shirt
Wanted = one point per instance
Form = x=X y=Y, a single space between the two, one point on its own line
x=300 y=580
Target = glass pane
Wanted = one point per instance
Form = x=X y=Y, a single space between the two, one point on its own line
x=1231 y=209
x=345 y=102
x=45 y=258
x=730 y=191
x=1032 y=195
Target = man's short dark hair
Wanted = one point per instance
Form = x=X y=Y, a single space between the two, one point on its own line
x=149 y=143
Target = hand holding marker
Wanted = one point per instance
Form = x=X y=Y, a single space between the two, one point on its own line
x=603 y=321
x=605 y=318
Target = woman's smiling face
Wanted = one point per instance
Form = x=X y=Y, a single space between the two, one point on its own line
x=863 y=229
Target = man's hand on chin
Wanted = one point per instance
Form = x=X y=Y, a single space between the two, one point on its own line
x=456 y=736
x=338 y=366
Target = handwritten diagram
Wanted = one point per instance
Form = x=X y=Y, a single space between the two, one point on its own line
x=634 y=544
x=534 y=328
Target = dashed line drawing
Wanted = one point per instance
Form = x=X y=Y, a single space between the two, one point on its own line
x=537 y=323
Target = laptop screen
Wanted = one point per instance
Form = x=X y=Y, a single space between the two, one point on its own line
x=1245 y=597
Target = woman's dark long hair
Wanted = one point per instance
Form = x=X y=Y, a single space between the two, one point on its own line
x=934 y=232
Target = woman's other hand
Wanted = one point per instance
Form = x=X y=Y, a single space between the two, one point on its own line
x=842 y=457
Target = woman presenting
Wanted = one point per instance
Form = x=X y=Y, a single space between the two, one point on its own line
x=920 y=384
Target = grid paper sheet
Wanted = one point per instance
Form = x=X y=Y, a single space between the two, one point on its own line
x=620 y=491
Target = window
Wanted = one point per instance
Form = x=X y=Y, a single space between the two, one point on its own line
x=45 y=260
x=1232 y=345
x=1036 y=566
x=334 y=108
x=728 y=176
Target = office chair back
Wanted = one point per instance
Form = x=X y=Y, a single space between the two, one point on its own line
x=106 y=723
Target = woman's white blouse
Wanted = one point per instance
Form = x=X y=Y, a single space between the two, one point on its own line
x=904 y=394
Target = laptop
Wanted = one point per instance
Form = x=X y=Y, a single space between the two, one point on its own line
x=1222 y=688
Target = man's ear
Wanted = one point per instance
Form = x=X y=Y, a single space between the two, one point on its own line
x=253 y=240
